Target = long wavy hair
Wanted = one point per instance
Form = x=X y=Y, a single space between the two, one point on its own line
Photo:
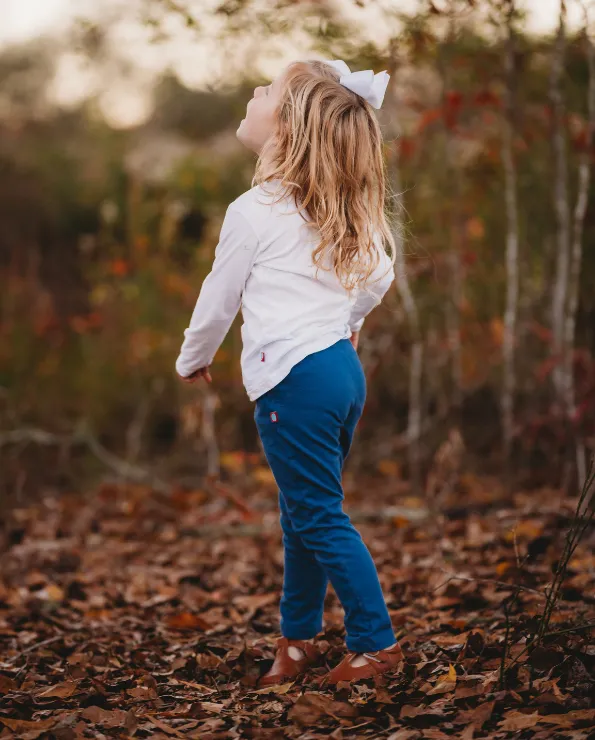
x=327 y=151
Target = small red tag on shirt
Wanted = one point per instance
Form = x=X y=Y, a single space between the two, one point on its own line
x=274 y=416
x=262 y=356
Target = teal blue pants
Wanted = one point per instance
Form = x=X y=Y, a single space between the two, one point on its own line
x=306 y=424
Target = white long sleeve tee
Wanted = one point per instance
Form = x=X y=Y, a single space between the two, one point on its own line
x=263 y=265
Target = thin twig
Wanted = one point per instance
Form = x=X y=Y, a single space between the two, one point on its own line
x=510 y=586
x=83 y=436
x=32 y=647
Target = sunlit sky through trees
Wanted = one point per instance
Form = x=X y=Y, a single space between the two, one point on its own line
x=199 y=60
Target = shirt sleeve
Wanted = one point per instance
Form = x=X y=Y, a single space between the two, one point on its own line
x=373 y=292
x=220 y=295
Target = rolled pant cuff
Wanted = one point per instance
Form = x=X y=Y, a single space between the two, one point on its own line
x=299 y=631
x=300 y=634
x=379 y=641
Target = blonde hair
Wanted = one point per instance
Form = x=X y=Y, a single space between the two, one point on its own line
x=327 y=150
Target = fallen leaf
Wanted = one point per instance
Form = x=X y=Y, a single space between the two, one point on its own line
x=279 y=689
x=63 y=690
x=187 y=621
x=446 y=682
x=515 y=720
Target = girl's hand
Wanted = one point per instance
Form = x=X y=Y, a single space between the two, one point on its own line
x=354 y=338
x=202 y=372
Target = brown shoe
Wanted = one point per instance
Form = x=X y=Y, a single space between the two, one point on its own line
x=377 y=663
x=284 y=667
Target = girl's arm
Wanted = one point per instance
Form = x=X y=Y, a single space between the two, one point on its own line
x=220 y=295
x=372 y=294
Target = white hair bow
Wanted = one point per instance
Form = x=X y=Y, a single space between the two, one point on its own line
x=370 y=86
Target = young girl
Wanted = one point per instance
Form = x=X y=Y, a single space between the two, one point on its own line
x=303 y=254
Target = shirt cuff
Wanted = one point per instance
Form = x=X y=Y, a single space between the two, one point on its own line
x=184 y=370
x=356 y=325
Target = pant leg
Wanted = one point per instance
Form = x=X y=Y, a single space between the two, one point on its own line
x=304 y=580
x=316 y=409
x=304 y=584
x=349 y=425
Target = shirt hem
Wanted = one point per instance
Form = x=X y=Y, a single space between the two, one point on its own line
x=275 y=379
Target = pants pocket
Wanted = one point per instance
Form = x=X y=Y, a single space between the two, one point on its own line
x=275 y=436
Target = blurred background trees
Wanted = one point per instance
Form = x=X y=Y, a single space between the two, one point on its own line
x=116 y=167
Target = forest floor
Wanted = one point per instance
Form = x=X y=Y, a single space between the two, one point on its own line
x=128 y=612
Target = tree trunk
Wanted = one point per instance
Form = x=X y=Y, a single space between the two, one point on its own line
x=512 y=242
x=561 y=203
x=453 y=183
x=584 y=182
x=415 y=418
x=414 y=421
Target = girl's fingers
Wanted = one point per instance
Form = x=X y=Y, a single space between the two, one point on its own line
x=202 y=372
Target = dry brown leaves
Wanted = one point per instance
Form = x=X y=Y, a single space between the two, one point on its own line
x=117 y=621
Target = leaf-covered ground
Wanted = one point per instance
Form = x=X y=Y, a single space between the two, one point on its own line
x=131 y=613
